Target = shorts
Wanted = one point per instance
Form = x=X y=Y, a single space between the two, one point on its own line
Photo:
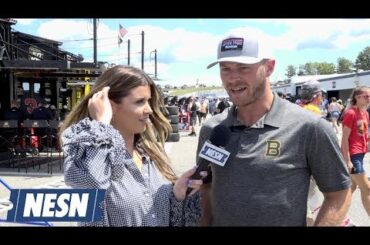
x=202 y=114
x=193 y=121
x=334 y=114
x=358 y=163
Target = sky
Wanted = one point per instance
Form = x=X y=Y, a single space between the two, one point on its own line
x=186 y=46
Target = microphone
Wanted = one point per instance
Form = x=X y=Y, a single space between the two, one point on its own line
x=212 y=151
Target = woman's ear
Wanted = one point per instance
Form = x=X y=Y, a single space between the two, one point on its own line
x=113 y=105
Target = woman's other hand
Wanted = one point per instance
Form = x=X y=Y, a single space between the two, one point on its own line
x=184 y=182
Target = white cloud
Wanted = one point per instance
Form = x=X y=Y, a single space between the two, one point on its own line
x=176 y=45
x=59 y=29
x=178 y=48
x=331 y=33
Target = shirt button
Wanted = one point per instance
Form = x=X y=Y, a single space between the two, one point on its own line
x=146 y=194
x=153 y=216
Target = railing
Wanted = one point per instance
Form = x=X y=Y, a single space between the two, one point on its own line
x=27 y=139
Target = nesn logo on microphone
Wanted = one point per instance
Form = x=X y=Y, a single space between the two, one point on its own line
x=82 y=205
x=214 y=154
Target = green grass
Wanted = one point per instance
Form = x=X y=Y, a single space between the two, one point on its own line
x=192 y=90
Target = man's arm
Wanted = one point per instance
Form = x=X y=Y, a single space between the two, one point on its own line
x=334 y=208
x=205 y=203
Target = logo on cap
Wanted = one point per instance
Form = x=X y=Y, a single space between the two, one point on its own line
x=232 y=44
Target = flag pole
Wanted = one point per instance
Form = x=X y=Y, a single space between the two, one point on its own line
x=142 y=50
x=95 y=43
x=128 y=52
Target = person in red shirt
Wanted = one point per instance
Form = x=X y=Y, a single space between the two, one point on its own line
x=354 y=141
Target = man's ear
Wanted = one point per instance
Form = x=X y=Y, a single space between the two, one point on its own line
x=270 y=64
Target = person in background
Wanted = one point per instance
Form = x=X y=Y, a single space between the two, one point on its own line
x=54 y=113
x=41 y=112
x=64 y=112
x=334 y=109
x=354 y=141
x=212 y=106
x=312 y=96
x=197 y=103
x=14 y=113
x=275 y=147
x=340 y=102
x=311 y=93
x=114 y=140
x=222 y=105
x=203 y=111
x=324 y=106
x=192 y=108
x=346 y=106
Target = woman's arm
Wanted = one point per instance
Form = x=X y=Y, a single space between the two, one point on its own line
x=90 y=148
x=346 y=131
x=185 y=209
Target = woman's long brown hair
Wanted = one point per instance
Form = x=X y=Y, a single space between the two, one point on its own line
x=121 y=80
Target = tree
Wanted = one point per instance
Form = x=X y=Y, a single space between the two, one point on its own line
x=363 y=59
x=290 y=71
x=301 y=70
x=325 y=68
x=316 y=68
x=344 y=65
x=310 y=68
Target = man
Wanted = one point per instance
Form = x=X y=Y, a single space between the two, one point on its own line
x=275 y=146
x=14 y=113
x=41 y=112
x=192 y=108
x=222 y=105
x=311 y=99
x=312 y=96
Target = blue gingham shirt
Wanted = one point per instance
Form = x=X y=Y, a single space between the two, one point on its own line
x=96 y=157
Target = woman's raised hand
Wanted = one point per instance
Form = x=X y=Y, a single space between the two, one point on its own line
x=99 y=106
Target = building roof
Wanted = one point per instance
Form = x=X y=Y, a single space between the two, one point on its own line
x=302 y=79
x=39 y=39
x=8 y=20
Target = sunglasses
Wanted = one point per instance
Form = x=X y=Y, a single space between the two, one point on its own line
x=366 y=96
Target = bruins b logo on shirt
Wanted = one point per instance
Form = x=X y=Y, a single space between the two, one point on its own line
x=273 y=148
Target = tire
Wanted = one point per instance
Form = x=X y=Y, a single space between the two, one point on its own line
x=175 y=128
x=173 y=137
x=165 y=111
x=174 y=119
x=172 y=110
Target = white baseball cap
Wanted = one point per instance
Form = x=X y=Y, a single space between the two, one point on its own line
x=242 y=48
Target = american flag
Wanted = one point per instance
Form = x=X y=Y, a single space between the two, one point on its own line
x=121 y=33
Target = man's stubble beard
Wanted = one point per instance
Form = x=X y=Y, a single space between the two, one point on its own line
x=258 y=91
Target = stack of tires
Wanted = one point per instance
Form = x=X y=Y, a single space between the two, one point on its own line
x=172 y=114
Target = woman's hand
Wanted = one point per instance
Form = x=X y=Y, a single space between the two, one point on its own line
x=99 y=106
x=350 y=166
x=182 y=184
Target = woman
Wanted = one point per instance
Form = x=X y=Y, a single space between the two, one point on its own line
x=114 y=140
x=334 y=110
x=354 y=141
